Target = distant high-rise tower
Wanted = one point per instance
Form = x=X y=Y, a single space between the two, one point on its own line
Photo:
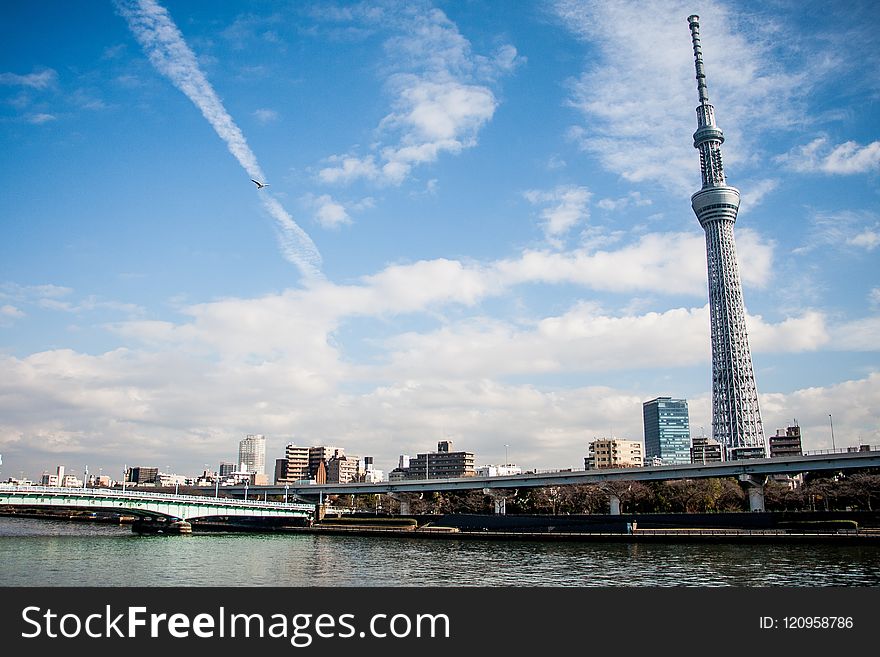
x=667 y=431
x=252 y=454
x=736 y=419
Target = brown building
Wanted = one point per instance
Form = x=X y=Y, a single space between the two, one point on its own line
x=787 y=444
x=342 y=469
x=706 y=450
x=321 y=453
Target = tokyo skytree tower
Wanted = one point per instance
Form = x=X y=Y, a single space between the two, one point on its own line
x=736 y=419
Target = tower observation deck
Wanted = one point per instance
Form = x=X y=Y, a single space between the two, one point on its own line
x=736 y=418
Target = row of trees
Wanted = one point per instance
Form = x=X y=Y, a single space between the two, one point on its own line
x=858 y=491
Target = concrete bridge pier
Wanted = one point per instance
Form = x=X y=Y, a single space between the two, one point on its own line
x=754 y=486
x=150 y=525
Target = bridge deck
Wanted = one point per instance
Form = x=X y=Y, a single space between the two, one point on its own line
x=144 y=503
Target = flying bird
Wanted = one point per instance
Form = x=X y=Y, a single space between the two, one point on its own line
x=259 y=184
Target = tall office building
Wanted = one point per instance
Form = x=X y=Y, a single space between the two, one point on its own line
x=252 y=454
x=667 y=431
x=736 y=419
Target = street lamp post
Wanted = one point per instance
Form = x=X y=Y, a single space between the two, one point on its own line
x=506 y=458
x=833 y=448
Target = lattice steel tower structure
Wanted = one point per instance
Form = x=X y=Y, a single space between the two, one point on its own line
x=736 y=418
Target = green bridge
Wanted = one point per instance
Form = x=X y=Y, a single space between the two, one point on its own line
x=175 y=511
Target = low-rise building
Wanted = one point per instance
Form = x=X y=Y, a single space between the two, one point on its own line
x=342 y=469
x=165 y=479
x=141 y=475
x=786 y=444
x=614 y=453
x=498 y=470
x=706 y=450
x=442 y=464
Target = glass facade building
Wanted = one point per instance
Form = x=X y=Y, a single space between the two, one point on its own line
x=667 y=431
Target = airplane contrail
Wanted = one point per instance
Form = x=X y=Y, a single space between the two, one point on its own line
x=169 y=53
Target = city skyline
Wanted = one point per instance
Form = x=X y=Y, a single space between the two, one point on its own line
x=477 y=226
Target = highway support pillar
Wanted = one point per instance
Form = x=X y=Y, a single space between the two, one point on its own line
x=403 y=499
x=499 y=497
x=614 y=504
x=755 y=488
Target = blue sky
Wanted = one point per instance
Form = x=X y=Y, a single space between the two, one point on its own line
x=477 y=227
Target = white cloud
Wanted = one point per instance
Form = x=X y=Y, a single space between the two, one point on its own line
x=30 y=292
x=755 y=193
x=189 y=391
x=40 y=118
x=632 y=199
x=264 y=115
x=819 y=156
x=346 y=168
x=868 y=239
x=669 y=263
x=874 y=297
x=585 y=339
x=439 y=96
x=171 y=56
x=836 y=229
x=40 y=80
x=794 y=334
x=858 y=335
x=9 y=313
x=329 y=213
x=567 y=206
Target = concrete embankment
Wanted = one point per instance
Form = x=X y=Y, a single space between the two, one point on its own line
x=844 y=527
x=864 y=537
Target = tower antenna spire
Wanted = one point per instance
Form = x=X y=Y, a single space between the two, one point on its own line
x=694 y=22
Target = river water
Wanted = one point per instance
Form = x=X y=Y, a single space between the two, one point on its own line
x=57 y=553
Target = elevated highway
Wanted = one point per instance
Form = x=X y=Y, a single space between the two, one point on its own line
x=752 y=473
